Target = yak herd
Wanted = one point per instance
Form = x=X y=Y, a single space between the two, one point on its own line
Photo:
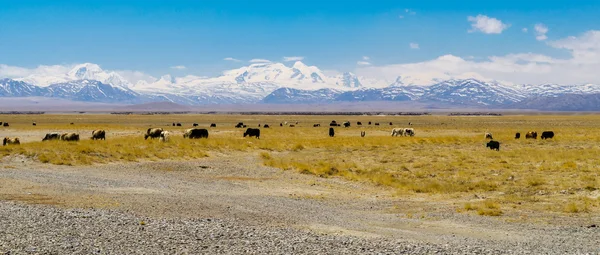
x=495 y=145
x=197 y=133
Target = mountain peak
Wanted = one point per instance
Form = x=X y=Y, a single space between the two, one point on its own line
x=83 y=71
x=299 y=65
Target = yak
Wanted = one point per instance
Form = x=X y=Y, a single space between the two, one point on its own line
x=195 y=133
x=99 y=134
x=517 y=135
x=547 y=134
x=531 y=135
x=51 y=136
x=213 y=125
x=488 y=136
x=493 y=145
x=164 y=136
x=153 y=133
x=398 y=131
x=252 y=132
x=10 y=141
x=69 y=137
x=331 y=132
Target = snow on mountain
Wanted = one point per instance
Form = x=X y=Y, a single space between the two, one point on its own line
x=13 y=88
x=292 y=96
x=553 y=90
x=85 y=71
x=472 y=92
x=91 y=91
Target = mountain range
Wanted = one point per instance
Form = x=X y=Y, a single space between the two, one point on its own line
x=276 y=83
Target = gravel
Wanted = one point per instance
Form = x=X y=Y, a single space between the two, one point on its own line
x=233 y=205
x=44 y=229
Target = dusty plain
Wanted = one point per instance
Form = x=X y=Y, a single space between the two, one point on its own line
x=297 y=190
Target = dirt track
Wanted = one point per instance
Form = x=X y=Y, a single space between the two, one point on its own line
x=238 y=188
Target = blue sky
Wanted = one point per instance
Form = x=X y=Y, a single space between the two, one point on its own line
x=152 y=36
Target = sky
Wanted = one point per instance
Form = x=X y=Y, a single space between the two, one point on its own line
x=515 y=41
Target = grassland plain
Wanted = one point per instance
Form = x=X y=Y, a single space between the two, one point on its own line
x=446 y=160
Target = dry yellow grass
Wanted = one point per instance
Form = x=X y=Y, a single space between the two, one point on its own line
x=447 y=159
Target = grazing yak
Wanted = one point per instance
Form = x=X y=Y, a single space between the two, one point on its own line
x=51 y=136
x=547 y=134
x=266 y=125
x=10 y=141
x=531 y=135
x=363 y=133
x=391 y=124
x=164 y=136
x=517 y=135
x=347 y=124
x=398 y=131
x=369 y=123
x=252 y=132
x=493 y=145
x=409 y=132
x=34 y=124
x=213 y=125
x=239 y=125
x=195 y=133
x=195 y=125
x=173 y=123
x=316 y=125
x=488 y=136
x=331 y=132
x=5 y=124
x=69 y=137
x=99 y=134
x=153 y=133
x=292 y=125
x=333 y=124
x=358 y=123
x=179 y=124
x=376 y=123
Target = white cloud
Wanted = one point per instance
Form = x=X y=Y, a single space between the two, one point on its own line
x=366 y=58
x=135 y=77
x=400 y=16
x=486 y=25
x=363 y=63
x=7 y=71
x=295 y=58
x=410 y=12
x=414 y=46
x=540 y=32
x=259 y=60
x=522 y=68
x=232 y=59
x=524 y=30
x=178 y=67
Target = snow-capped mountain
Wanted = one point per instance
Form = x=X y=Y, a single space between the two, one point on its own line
x=472 y=92
x=12 y=88
x=85 y=71
x=552 y=90
x=91 y=91
x=277 y=83
x=295 y=96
